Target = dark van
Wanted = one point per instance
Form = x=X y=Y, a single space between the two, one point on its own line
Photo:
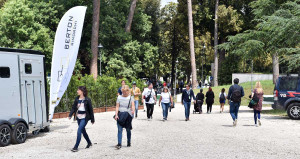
x=287 y=95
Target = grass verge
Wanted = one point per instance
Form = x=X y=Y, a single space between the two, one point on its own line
x=267 y=85
x=275 y=112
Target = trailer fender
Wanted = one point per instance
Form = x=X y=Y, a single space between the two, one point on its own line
x=14 y=121
x=5 y=122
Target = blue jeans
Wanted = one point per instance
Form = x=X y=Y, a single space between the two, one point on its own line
x=165 y=107
x=136 y=103
x=81 y=130
x=120 y=131
x=256 y=115
x=187 y=106
x=234 y=109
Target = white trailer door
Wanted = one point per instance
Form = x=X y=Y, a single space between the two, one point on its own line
x=10 y=106
x=32 y=77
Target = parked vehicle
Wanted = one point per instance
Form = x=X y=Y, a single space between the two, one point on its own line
x=287 y=96
x=24 y=106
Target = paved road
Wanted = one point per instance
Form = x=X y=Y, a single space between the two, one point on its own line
x=205 y=136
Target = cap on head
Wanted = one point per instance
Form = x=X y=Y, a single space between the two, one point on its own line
x=133 y=83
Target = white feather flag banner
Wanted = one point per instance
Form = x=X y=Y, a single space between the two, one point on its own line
x=66 y=45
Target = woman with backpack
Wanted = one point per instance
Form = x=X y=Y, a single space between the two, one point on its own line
x=258 y=94
x=210 y=97
x=222 y=97
x=166 y=101
x=199 y=100
x=124 y=112
x=83 y=109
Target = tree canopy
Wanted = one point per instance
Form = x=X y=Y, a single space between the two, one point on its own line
x=247 y=30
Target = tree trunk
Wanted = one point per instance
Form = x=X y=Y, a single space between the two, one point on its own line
x=188 y=79
x=275 y=67
x=191 y=38
x=221 y=54
x=173 y=58
x=94 y=40
x=215 y=78
x=130 y=16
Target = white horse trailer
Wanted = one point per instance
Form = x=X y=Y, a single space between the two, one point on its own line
x=23 y=95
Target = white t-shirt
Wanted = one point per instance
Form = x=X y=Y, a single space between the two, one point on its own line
x=224 y=95
x=147 y=92
x=165 y=97
x=81 y=108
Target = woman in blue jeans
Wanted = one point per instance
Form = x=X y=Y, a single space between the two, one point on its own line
x=186 y=99
x=83 y=109
x=166 y=101
x=124 y=113
x=259 y=93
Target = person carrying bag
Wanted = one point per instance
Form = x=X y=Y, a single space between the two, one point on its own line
x=257 y=98
x=166 y=102
x=83 y=110
x=124 y=115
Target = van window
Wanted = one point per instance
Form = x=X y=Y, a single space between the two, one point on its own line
x=28 y=68
x=288 y=83
x=4 y=72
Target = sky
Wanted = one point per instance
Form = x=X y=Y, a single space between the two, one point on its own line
x=164 y=2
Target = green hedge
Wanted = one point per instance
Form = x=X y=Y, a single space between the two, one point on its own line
x=103 y=91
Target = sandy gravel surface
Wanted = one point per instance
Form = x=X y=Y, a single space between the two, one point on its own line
x=205 y=136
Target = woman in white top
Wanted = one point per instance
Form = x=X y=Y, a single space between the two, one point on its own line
x=166 y=101
x=83 y=109
x=222 y=98
x=124 y=112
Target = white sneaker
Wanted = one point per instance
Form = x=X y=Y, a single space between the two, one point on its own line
x=235 y=122
x=259 y=123
x=256 y=125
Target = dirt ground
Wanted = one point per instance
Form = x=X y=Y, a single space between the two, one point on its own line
x=204 y=136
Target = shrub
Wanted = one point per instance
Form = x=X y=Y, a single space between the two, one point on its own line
x=103 y=91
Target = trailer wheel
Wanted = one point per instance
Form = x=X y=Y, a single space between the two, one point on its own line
x=19 y=134
x=5 y=135
x=293 y=111
x=46 y=129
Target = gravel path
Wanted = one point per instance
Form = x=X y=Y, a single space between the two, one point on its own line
x=204 y=136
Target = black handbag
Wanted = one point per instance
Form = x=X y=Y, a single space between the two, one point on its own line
x=254 y=101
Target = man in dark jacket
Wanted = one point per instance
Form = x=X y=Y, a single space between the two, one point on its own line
x=186 y=97
x=235 y=94
x=181 y=84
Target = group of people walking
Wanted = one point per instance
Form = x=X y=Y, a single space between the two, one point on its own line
x=128 y=102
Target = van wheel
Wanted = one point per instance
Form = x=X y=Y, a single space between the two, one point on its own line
x=293 y=111
x=46 y=129
x=5 y=135
x=19 y=134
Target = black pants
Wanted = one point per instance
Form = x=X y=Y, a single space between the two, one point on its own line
x=150 y=108
x=209 y=107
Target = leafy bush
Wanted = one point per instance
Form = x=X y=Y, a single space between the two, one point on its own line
x=103 y=91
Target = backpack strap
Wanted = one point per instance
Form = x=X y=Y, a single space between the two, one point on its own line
x=129 y=102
